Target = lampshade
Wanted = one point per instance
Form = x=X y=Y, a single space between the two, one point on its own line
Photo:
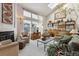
x=73 y=31
x=20 y=17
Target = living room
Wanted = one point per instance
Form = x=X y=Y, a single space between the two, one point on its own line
x=43 y=29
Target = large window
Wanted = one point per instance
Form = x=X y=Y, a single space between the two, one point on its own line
x=40 y=24
x=27 y=25
x=34 y=16
x=26 y=13
x=34 y=25
x=40 y=18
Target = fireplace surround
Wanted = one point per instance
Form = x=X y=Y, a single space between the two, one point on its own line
x=5 y=35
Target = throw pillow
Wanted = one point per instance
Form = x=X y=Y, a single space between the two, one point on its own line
x=6 y=42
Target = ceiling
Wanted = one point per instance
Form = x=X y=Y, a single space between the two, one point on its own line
x=38 y=8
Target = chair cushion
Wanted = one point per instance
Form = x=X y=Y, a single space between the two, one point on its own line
x=75 y=39
x=24 y=34
x=25 y=38
x=5 y=42
x=74 y=43
x=75 y=36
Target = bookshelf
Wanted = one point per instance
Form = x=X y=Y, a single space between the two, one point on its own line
x=61 y=26
x=66 y=26
x=69 y=25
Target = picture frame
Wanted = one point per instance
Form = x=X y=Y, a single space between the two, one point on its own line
x=60 y=15
x=7 y=13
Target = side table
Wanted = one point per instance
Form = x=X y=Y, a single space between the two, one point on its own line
x=22 y=44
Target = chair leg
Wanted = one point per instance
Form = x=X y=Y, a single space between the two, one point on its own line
x=44 y=47
x=37 y=43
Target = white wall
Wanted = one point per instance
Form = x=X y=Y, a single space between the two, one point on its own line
x=76 y=6
x=74 y=15
x=18 y=28
x=19 y=23
x=44 y=23
x=3 y=26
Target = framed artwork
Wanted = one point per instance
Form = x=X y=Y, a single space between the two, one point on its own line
x=60 y=15
x=7 y=13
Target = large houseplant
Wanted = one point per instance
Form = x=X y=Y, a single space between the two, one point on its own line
x=66 y=47
x=57 y=50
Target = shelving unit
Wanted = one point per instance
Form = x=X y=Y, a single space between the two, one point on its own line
x=62 y=23
x=60 y=16
x=61 y=26
x=66 y=26
x=69 y=25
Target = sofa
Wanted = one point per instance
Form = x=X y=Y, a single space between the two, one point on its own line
x=67 y=46
x=8 y=48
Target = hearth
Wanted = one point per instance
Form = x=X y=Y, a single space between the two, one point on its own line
x=7 y=35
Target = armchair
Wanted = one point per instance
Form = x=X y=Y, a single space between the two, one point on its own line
x=25 y=36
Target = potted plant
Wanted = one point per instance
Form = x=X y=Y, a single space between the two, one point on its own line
x=45 y=35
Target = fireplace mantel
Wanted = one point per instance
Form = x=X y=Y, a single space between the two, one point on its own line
x=4 y=35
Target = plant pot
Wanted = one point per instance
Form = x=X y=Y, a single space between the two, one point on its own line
x=43 y=39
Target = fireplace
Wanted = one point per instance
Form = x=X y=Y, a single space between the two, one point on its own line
x=7 y=35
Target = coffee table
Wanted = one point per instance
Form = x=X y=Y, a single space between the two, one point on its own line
x=44 y=42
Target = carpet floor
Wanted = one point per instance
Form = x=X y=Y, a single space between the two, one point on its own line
x=31 y=49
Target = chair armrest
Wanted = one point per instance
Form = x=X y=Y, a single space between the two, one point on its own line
x=8 y=45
